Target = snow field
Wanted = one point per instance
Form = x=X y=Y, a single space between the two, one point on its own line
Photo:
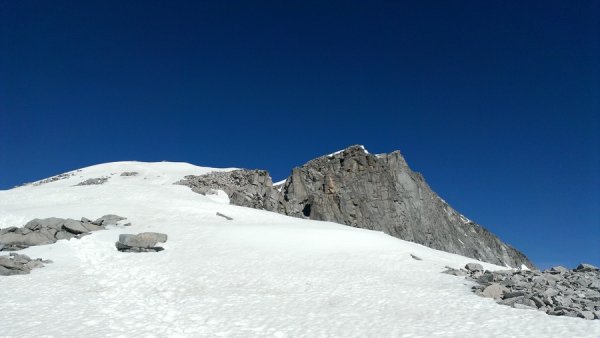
x=260 y=275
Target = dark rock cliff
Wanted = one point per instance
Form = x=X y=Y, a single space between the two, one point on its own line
x=376 y=192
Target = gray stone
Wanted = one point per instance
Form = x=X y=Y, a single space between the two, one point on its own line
x=474 y=267
x=362 y=190
x=11 y=272
x=7 y=230
x=455 y=272
x=224 y=216
x=108 y=220
x=52 y=222
x=559 y=269
x=129 y=173
x=486 y=278
x=416 y=257
x=586 y=267
x=494 y=290
x=586 y=314
x=74 y=226
x=140 y=242
x=514 y=294
x=30 y=239
x=17 y=264
x=93 y=181
x=63 y=235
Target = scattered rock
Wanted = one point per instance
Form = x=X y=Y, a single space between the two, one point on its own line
x=224 y=216
x=108 y=220
x=455 y=272
x=74 y=226
x=586 y=267
x=16 y=264
x=142 y=242
x=416 y=257
x=494 y=290
x=129 y=173
x=93 y=181
x=474 y=267
x=557 y=291
x=49 y=230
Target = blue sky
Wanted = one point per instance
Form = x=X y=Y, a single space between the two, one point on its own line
x=496 y=103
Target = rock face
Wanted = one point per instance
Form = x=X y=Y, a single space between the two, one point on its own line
x=556 y=291
x=142 y=242
x=16 y=264
x=376 y=192
x=248 y=188
x=49 y=230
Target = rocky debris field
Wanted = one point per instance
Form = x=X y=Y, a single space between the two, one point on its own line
x=17 y=264
x=557 y=291
x=49 y=230
x=93 y=181
x=142 y=242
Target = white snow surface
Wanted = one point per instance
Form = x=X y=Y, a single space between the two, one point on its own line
x=260 y=275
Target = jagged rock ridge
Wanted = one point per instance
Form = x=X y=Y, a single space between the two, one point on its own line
x=376 y=192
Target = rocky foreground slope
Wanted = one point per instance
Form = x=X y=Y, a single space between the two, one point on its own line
x=376 y=192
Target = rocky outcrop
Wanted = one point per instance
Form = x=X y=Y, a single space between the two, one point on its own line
x=49 y=230
x=142 y=242
x=93 y=181
x=16 y=264
x=376 y=192
x=557 y=291
x=247 y=188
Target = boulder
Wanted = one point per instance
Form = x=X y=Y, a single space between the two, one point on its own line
x=108 y=220
x=474 y=267
x=586 y=267
x=75 y=227
x=559 y=269
x=51 y=222
x=494 y=290
x=142 y=242
x=17 y=264
x=29 y=239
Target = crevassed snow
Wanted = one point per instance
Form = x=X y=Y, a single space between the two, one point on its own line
x=260 y=275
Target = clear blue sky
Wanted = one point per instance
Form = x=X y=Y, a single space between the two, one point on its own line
x=496 y=103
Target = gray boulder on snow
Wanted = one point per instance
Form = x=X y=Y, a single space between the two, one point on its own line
x=108 y=220
x=142 y=242
x=41 y=231
x=16 y=264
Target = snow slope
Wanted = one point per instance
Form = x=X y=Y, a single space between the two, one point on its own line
x=262 y=274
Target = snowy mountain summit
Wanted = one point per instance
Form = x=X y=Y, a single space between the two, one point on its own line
x=233 y=271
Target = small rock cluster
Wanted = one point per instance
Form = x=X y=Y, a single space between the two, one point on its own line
x=49 y=230
x=93 y=181
x=557 y=291
x=17 y=264
x=50 y=179
x=142 y=242
x=129 y=173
